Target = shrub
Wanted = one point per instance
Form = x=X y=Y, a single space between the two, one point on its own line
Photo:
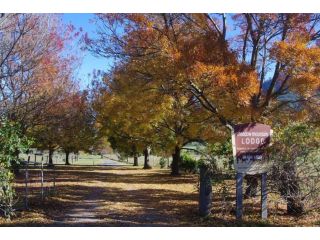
x=188 y=164
x=163 y=161
x=11 y=143
x=7 y=193
x=295 y=171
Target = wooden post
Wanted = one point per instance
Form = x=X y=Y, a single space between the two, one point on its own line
x=26 y=179
x=42 y=193
x=54 y=180
x=205 y=192
x=239 y=195
x=264 y=192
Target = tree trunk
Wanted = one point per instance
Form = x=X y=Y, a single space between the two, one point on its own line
x=50 y=164
x=135 y=160
x=67 y=158
x=175 y=161
x=205 y=193
x=146 y=159
x=252 y=186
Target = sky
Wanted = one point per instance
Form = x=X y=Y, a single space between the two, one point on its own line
x=89 y=62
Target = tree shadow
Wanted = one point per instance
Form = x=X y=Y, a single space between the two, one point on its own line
x=128 y=198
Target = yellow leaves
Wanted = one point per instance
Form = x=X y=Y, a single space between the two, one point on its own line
x=296 y=54
x=238 y=82
x=301 y=63
x=231 y=88
x=305 y=83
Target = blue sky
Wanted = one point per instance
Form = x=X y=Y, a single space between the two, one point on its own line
x=89 y=62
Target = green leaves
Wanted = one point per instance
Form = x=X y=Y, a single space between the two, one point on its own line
x=11 y=142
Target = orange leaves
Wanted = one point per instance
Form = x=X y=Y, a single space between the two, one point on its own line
x=305 y=83
x=230 y=88
x=238 y=82
x=297 y=54
x=301 y=63
x=206 y=48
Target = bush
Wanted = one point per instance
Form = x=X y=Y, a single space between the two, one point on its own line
x=11 y=143
x=7 y=193
x=163 y=161
x=295 y=171
x=188 y=164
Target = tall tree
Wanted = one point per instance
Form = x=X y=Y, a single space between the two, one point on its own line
x=155 y=79
x=266 y=70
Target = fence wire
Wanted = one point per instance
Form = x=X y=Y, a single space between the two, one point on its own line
x=34 y=184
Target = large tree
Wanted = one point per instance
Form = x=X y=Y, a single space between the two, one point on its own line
x=265 y=69
x=267 y=64
x=152 y=77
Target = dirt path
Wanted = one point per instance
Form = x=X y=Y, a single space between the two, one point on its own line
x=122 y=196
x=85 y=211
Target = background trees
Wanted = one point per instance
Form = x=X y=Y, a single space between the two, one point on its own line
x=37 y=86
x=76 y=131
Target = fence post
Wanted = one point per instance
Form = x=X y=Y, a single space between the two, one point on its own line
x=205 y=192
x=42 y=193
x=264 y=193
x=239 y=195
x=54 y=180
x=26 y=184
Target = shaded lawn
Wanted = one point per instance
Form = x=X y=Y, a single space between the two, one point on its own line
x=128 y=196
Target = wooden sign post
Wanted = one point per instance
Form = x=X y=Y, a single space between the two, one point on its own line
x=248 y=142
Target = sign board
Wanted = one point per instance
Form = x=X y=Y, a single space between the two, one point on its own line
x=248 y=142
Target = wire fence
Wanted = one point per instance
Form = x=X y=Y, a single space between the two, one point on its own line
x=34 y=184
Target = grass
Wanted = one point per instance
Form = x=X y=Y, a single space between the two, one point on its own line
x=130 y=196
x=59 y=159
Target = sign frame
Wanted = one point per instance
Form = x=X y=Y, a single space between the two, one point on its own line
x=241 y=172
